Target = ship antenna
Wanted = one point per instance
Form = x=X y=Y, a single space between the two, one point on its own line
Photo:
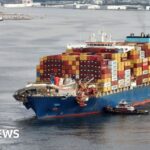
x=99 y=35
x=102 y=36
x=92 y=38
x=110 y=37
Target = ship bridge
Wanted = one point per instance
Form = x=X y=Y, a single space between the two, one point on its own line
x=143 y=38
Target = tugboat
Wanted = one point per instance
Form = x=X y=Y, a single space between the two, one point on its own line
x=124 y=108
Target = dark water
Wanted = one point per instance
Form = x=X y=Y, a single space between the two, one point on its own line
x=21 y=45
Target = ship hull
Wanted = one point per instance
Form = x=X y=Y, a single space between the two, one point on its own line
x=59 y=107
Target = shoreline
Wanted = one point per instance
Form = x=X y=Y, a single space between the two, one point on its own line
x=14 y=16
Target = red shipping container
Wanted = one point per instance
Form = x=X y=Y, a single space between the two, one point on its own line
x=126 y=67
x=120 y=75
x=105 y=70
x=134 y=56
x=145 y=64
x=114 y=83
x=104 y=62
x=145 y=76
x=65 y=63
x=93 y=57
x=137 y=65
x=147 y=53
x=56 y=81
x=108 y=56
x=123 y=58
x=139 y=80
x=145 y=67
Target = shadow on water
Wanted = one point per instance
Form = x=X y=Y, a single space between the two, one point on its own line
x=71 y=122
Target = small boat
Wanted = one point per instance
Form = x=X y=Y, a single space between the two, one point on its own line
x=123 y=108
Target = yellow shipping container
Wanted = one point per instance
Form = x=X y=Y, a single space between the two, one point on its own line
x=83 y=57
x=41 y=71
x=105 y=89
x=65 y=57
x=104 y=80
x=77 y=72
x=127 y=63
x=45 y=58
x=70 y=62
x=134 y=52
x=149 y=79
x=37 y=79
x=137 y=74
x=37 y=67
x=149 y=68
x=116 y=56
x=139 y=69
x=137 y=61
x=72 y=57
x=109 y=88
x=148 y=58
x=69 y=50
x=123 y=55
x=99 y=80
x=120 y=66
x=77 y=63
x=73 y=67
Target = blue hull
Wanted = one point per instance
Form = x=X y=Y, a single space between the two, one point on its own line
x=52 y=107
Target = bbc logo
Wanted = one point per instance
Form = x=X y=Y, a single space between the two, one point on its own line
x=9 y=134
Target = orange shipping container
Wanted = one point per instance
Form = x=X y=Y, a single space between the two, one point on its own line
x=103 y=76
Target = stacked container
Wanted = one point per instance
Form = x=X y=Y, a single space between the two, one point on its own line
x=110 y=69
x=70 y=67
x=145 y=71
x=127 y=77
x=114 y=78
x=121 y=74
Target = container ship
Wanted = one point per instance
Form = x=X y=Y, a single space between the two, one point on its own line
x=88 y=77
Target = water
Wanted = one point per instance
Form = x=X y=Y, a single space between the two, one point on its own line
x=22 y=43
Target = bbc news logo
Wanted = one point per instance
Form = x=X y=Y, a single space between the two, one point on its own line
x=9 y=134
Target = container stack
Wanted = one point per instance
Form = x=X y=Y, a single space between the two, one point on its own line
x=70 y=65
x=121 y=74
x=146 y=49
x=92 y=66
x=114 y=77
x=109 y=68
x=127 y=77
x=145 y=70
x=49 y=65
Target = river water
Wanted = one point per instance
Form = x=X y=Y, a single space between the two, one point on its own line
x=22 y=43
